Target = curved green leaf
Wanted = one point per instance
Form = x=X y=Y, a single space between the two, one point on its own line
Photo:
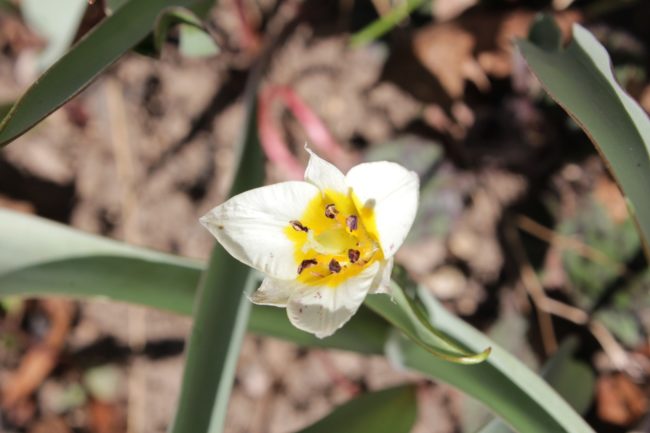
x=91 y=55
x=405 y=315
x=502 y=383
x=390 y=410
x=572 y=379
x=579 y=77
x=128 y=279
x=194 y=40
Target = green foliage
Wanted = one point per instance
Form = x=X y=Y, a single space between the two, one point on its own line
x=579 y=77
x=596 y=228
x=627 y=315
x=390 y=410
x=572 y=379
x=501 y=382
x=54 y=260
x=386 y=23
x=194 y=40
x=221 y=309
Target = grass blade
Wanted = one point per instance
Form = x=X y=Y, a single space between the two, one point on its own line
x=383 y=25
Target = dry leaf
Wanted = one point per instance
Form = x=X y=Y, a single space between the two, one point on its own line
x=50 y=425
x=475 y=46
x=619 y=400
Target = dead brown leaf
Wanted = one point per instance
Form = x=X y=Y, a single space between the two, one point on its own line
x=50 y=425
x=17 y=205
x=16 y=36
x=446 y=50
x=609 y=195
x=105 y=418
x=645 y=99
x=619 y=400
x=476 y=46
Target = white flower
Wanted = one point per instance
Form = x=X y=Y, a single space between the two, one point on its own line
x=325 y=243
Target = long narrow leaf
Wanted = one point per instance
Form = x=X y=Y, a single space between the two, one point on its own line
x=579 y=77
x=502 y=383
x=221 y=309
x=572 y=379
x=390 y=410
x=95 y=52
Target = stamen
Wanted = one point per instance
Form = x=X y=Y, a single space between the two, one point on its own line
x=335 y=266
x=297 y=226
x=352 y=222
x=306 y=264
x=354 y=255
x=331 y=211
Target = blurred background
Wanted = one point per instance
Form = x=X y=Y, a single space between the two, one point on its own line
x=516 y=205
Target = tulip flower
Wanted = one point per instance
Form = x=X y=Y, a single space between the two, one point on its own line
x=323 y=244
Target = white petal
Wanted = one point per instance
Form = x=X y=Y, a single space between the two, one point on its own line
x=323 y=310
x=272 y=292
x=381 y=284
x=324 y=174
x=393 y=192
x=250 y=226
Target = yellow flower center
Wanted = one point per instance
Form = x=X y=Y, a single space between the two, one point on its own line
x=335 y=239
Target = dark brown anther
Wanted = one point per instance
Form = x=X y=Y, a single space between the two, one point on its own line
x=306 y=264
x=297 y=226
x=352 y=222
x=331 y=211
x=335 y=266
x=354 y=255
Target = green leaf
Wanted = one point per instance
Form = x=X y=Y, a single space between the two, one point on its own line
x=405 y=315
x=572 y=379
x=579 y=77
x=384 y=24
x=195 y=42
x=57 y=21
x=9 y=6
x=172 y=288
x=221 y=307
x=390 y=410
x=502 y=382
x=168 y=19
x=113 y=5
x=90 y=56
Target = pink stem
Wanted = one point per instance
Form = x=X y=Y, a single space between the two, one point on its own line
x=274 y=145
